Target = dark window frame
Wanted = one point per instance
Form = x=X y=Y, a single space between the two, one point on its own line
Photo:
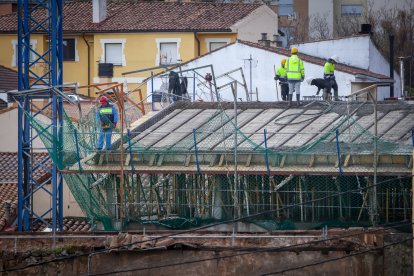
x=71 y=51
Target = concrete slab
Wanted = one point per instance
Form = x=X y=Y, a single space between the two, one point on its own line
x=282 y=118
x=292 y=128
x=167 y=128
x=400 y=128
x=182 y=128
x=321 y=124
x=225 y=140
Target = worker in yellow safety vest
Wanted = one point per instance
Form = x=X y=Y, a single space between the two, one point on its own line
x=329 y=75
x=281 y=76
x=295 y=73
x=107 y=116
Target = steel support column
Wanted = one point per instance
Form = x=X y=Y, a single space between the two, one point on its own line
x=30 y=75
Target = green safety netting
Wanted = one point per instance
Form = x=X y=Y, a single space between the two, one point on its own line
x=188 y=200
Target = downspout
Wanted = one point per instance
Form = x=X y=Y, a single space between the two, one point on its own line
x=89 y=64
x=198 y=43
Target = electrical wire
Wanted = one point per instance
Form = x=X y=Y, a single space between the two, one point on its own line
x=281 y=248
x=202 y=227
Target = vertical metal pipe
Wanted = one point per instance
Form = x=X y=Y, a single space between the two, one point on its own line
x=236 y=201
x=338 y=150
x=77 y=149
x=130 y=151
x=391 y=38
x=266 y=151
x=194 y=86
x=152 y=91
x=251 y=75
x=374 y=190
x=402 y=75
x=196 y=150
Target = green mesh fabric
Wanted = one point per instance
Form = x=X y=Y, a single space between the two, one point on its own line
x=178 y=200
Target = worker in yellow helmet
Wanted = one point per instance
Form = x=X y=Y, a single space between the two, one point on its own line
x=329 y=75
x=281 y=76
x=295 y=73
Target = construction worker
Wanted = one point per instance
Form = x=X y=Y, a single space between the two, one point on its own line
x=107 y=115
x=329 y=75
x=295 y=73
x=281 y=76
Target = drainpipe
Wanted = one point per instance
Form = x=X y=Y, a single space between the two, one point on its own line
x=198 y=43
x=89 y=64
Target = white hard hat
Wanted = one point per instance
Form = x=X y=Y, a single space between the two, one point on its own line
x=334 y=58
x=309 y=80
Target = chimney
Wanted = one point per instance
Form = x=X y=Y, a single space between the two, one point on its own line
x=366 y=29
x=275 y=42
x=264 y=41
x=7 y=211
x=99 y=11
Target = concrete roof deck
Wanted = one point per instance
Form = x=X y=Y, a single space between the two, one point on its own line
x=306 y=132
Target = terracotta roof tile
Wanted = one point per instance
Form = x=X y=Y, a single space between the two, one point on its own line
x=8 y=79
x=132 y=16
x=70 y=224
x=8 y=167
x=8 y=192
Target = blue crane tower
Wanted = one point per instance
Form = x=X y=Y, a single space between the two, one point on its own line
x=39 y=17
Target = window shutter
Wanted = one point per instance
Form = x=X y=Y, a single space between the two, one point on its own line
x=168 y=53
x=113 y=53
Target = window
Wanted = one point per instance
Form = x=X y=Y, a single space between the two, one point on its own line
x=113 y=53
x=285 y=7
x=32 y=55
x=216 y=45
x=351 y=10
x=168 y=53
x=69 y=49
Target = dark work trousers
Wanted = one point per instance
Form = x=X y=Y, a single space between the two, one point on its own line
x=334 y=85
x=284 y=87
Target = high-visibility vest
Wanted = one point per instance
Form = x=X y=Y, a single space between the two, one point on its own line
x=294 y=68
x=281 y=74
x=328 y=70
x=106 y=115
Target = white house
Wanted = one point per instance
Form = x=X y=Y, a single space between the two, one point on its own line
x=263 y=61
x=358 y=51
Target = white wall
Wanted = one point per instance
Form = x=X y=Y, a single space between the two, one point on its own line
x=351 y=51
x=42 y=201
x=233 y=56
x=323 y=8
x=262 y=20
x=8 y=133
x=358 y=51
x=391 y=4
x=380 y=65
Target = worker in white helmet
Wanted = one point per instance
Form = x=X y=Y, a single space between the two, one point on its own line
x=329 y=75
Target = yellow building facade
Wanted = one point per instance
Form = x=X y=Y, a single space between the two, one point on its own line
x=138 y=51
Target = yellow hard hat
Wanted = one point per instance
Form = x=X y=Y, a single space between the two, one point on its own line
x=294 y=50
x=283 y=61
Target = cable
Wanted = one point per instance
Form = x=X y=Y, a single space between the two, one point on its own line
x=338 y=258
x=246 y=253
x=204 y=227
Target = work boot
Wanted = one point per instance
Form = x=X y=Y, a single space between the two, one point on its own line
x=298 y=98
x=290 y=99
